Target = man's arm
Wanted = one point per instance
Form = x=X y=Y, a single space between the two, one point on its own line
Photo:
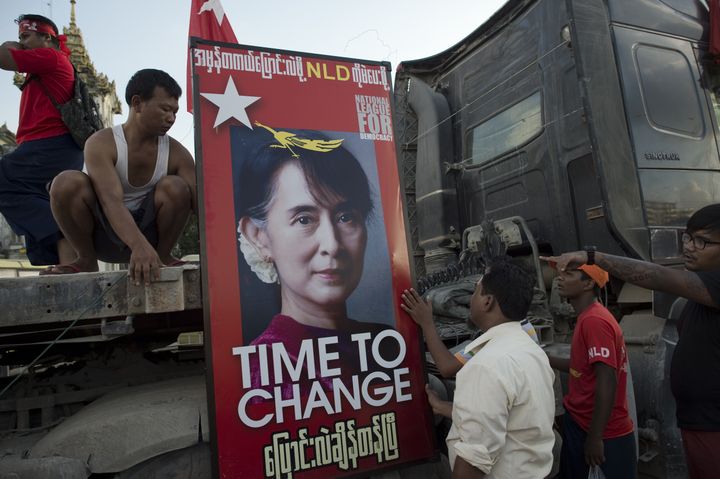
x=421 y=312
x=7 y=62
x=480 y=412
x=605 y=387
x=642 y=273
x=439 y=407
x=181 y=164
x=99 y=154
x=561 y=364
x=464 y=470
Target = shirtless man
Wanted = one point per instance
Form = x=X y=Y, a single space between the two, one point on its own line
x=133 y=201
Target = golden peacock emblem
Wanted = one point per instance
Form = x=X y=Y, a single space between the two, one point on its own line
x=289 y=141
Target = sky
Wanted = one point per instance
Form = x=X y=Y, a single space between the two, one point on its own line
x=123 y=36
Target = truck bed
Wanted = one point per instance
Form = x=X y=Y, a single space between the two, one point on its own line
x=38 y=300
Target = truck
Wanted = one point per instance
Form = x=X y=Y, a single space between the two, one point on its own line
x=101 y=376
x=554 y=125
x=561 y=124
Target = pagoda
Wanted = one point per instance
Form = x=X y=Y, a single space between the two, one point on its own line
x=101 y=88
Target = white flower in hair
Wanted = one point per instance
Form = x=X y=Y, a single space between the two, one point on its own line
x=265 y=270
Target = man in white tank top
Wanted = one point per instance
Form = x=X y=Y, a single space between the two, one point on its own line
x=138 y=188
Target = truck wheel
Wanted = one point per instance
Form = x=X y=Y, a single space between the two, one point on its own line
x=190 y=463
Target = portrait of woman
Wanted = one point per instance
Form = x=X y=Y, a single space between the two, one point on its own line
x=303 y=204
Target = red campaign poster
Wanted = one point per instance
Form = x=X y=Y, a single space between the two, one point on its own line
x=315 y=371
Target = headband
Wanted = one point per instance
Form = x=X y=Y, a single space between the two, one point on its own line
x=36 y=26
x=46 y=28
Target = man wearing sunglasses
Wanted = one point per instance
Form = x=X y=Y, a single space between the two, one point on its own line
x=695 y=369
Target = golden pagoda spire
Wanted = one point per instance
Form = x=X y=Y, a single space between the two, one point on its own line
x=76 y=44
x=101 y=88
x=72 y=13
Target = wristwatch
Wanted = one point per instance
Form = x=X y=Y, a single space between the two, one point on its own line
x=590 y=251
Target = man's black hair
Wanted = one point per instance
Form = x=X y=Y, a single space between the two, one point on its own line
x=330 y=175
x=512 y=285
x=706 y=218
x=143 y=84
x=38 y=18
x=586 y=277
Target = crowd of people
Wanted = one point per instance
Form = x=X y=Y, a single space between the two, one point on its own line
x=502 y=412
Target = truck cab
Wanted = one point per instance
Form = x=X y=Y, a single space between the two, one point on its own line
x=595 y=122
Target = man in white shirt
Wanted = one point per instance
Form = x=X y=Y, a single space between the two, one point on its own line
x=504 y=404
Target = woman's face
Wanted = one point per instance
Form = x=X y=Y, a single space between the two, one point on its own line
x=318 y=250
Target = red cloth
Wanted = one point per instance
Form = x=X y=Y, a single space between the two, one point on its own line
x=597 y=338
x=714 y=29
x=701 y=455
x=38 y=116
x=204 y=24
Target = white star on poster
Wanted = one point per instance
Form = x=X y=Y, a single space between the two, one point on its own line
x=216 y=8
x=231 y=105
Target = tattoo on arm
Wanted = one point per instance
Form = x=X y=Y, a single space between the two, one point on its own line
x=631 y=270
x=656 y=277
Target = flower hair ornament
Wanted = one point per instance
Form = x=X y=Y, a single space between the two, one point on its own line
x=262 y=266
x=289 y=140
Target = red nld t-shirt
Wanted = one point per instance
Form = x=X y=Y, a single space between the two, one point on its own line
x=597 y=338
x=38 y=116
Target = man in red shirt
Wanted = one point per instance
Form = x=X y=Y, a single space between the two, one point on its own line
x=45 y=147
x=597 y=429
x=695 y=367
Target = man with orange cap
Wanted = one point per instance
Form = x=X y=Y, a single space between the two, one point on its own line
x=695 y=367
x=45 y=147
x=597 y=429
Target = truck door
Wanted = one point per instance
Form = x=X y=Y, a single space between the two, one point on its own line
x=674 y=133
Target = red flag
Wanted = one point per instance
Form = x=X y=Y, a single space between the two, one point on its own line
x=208 y=21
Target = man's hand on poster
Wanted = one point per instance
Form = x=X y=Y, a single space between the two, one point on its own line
x=420 y=310
x=439 y=407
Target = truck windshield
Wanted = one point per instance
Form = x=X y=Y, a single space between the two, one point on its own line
x=507 y=130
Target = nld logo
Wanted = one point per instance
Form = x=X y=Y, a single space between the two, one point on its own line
x=598 y=352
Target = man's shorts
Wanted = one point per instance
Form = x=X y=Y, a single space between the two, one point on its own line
x=108 y=246
x=24 y=199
